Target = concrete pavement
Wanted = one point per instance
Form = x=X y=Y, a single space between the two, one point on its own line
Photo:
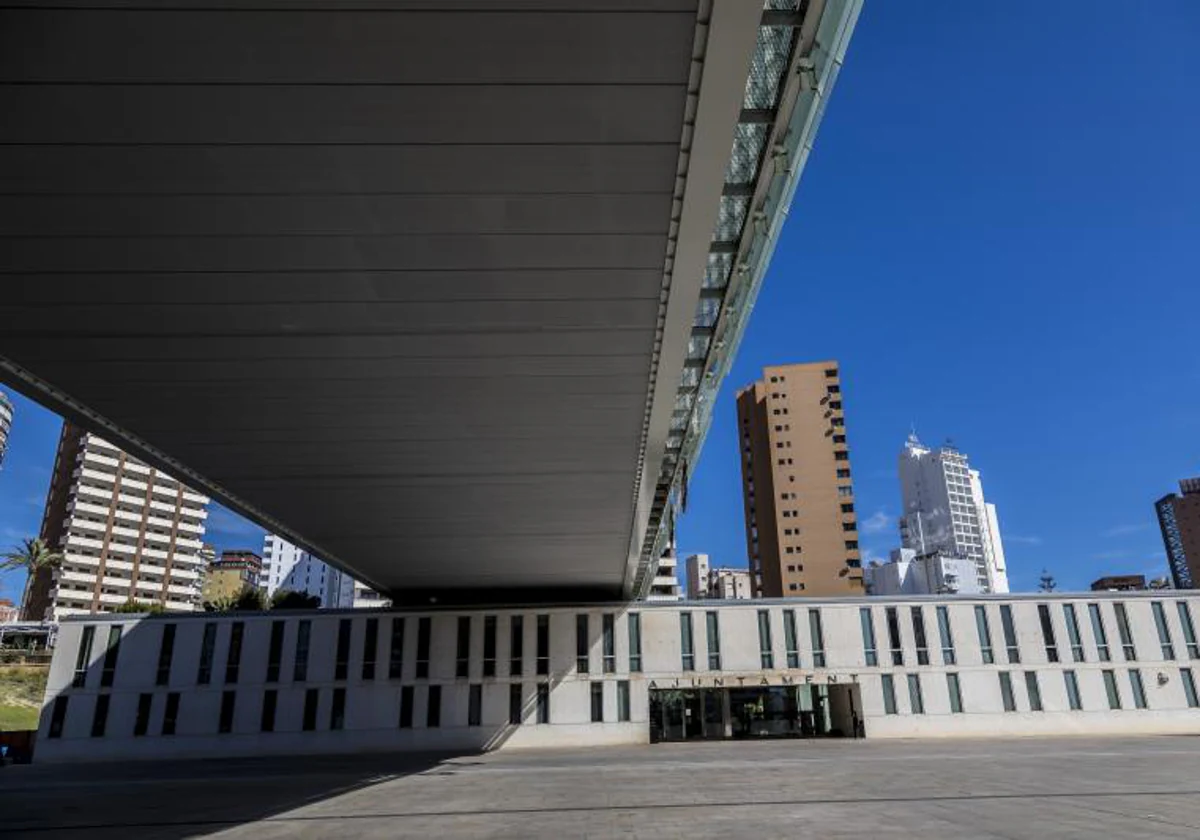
x=1045 y=788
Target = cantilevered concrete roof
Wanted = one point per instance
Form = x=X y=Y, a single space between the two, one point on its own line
x=440 y=290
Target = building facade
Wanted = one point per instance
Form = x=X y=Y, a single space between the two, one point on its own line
x=945 y=511
x=696 y=568
x=6 y=419
x=665 y=585
x=228 y=576
x=1179 y=521
x=310 y=682
x=798 y=497
x=127 y=531
x=907 y=573
x=289 y=567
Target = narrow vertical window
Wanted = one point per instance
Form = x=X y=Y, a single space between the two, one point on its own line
x=870 y=653
x=985 y=634
x=582 y=643
x=1189 y=629
x=396 y=651
x=433 y=708
x=609 y=642
x=1110 y=688
x=516 y=645
x=1034 y=691
x=58 y=716
x=1006 y=692
x=1126 y=636
x=918 y=623
x=818 y=638
x=713 y=632
x=1048 y=633
x=791 y=638
x=275 y=651
x=170 y=713
x=1073 y=635
x=766 y=657
x=1072 y=691
x=943 y=619
x=543 y=703
x=424 y=631
x=889 y=694
x=406 y=706
x=100 y=715
x=228 y=704
x=597 y=695
x=141 y=722
x=83 y=657
x=1164 y=631
x=915 y=699
x=267 y=721
x=686 y=646
x=462 y=656
x=623 y=701
x=955 y=691
x=112 y=652
x=1012 y=651
x=337 y=709
x=1138 y=688
x=489 y=645
x=635 y=643
x=208 y=645
x=543 y=645
x=1099 y=632
x=233 y=662
x=893 y=628
x=312 y=697
x=341 y=667
x=1185 y=676
x=475 y=705
x=370 y=648
x=166 y=653
x=516 y=704
x=300 y=664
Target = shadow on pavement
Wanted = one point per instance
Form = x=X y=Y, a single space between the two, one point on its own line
x=189 y=798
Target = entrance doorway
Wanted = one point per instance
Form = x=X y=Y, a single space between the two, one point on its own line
x=768 y=711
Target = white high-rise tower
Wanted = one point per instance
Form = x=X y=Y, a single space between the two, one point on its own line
x=944 y=510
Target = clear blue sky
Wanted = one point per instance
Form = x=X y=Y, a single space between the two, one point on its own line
x=997 y=237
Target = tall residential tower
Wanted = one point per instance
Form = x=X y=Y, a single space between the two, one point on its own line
x=6 y=418
x=127 y=532
x=801 y=531
x=944 y=511
x=1179 y=520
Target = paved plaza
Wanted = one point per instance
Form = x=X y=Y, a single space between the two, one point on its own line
x=1046 y=788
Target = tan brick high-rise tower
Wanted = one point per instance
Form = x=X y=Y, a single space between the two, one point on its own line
x=801 y=530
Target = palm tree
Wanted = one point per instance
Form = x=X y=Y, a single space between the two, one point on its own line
x=33 y=556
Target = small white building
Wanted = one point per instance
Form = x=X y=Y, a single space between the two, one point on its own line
x=936 y=573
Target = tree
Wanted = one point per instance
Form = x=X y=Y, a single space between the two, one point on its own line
x=1046 y=583
x=132 y=606
x=33 y=556
x=250 y=599
x=288 y=599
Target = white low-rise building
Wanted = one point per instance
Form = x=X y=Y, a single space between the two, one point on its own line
x=276 y=683
x=936 y=573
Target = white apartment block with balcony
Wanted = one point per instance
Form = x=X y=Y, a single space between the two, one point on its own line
x=127 y=531
x=665 y=586
x=945 y=511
